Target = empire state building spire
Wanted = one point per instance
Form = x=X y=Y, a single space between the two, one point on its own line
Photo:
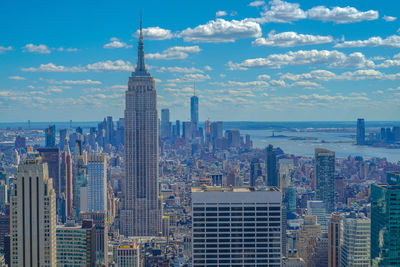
x=140 y=66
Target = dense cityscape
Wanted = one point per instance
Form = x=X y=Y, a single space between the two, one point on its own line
x=144 y=190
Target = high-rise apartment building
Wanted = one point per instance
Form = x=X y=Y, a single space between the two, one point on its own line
x=33 y=216
x=141 y=214
x=355 y=247
x=325 y=177
x=334 y=241
x=97 y=182
x=385 y=222
x=271 y=167
x=360 y=137
x=63 y=135
x=236 y=226
x=50 y=136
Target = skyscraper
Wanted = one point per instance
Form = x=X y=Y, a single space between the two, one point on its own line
x=66 y=188
x=255 y=171
x=165 y=124
x=97 y=182
x=307 y=237
x=236 y=226
x=355 y=247
x=334 y=241
x=194 y=110
x=141 y=214
x=63 y=135
x=385 y=222
x=51 y=156
x=360 y=138
x=271 y=167
x=325 y=177
x=50 y=136
x=317 y=208
x=33 y=216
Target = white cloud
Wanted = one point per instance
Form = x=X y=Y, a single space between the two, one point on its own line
x=257 y=3
x=221 y=13
x=284 y=12
x=62 y=49
x=175 y=52
x=281 y=11
x=197 y=77
x=18 y=78
x=289 y=39
x=332 y=58
x=41 y=49
x=263 y=77
x=208 y=68
x=324 y=75
x=51 y=67
x=306 y=85
x=180 y=69
x=319 y=75
x=341 y=14
x=108 y=65
x=392 y=41
x=3 y=49
x=389 y=18
x=116 y=43
x=222 y=31
x=242 y=84
x=74 y=82
x=155 y=33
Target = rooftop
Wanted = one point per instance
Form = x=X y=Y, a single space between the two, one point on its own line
x=234 y=189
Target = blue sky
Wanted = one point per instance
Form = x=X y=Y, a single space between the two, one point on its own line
x=250 y=60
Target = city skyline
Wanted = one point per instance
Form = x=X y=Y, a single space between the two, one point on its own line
x=260 y=60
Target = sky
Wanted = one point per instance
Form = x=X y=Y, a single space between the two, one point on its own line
x=248 y=60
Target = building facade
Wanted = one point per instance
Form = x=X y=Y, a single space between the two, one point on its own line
x=33 y=216
x=97 y=182
x=236 y=226
x=141 y=214
x=325 y=177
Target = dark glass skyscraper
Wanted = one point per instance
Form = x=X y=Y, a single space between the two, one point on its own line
x=194 y=110
x=360 y=138
x=255 y=171
x=325 y=177
x=385 y=222
x=271 y=167
x=50 y=136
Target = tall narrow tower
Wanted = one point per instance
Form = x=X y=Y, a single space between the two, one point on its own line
x=141 y=214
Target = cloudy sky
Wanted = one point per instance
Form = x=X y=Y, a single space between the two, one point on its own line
x=261 y=61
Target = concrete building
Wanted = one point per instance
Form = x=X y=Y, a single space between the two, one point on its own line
x=33 y=216
x=141 y=214
x=236 y=226
x=320 y=255
x=317 y=208
x=74 y=244
x=97 y=182
x=307 y=238
x=355 y=247
x=325 y=177
x=334 y=241
x=128 y=254
x=51 y=156
x=293 y=262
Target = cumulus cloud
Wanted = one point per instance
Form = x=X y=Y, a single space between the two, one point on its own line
x=392 y=41
x=389 y=18
x=242 y=84
x=222 y=31
x=257 y=3
x=221 y=13
x=332 y=58
x=108 y=65
x=155 y=33
x=341 y=14
x=74 y=82
x=180 y=69
x=116 y=43
x=289 y=39
x=18 y=78
x=263 y=77
x=324 y=75
x=41 y=49
x=62 y=49
x=3 y=49
x=196 y=77
x=208 y=68
x=284 y=12
x=175 y=52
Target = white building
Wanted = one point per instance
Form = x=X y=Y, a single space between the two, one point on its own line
x=33 y=216
x=355 y=249
x=97 y=182
x=236 y=226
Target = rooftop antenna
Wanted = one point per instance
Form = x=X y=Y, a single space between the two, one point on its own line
x=141 y=33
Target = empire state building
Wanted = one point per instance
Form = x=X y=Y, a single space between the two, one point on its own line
x=141 y=214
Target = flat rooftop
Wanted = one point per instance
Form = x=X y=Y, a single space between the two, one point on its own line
x=242 y=189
